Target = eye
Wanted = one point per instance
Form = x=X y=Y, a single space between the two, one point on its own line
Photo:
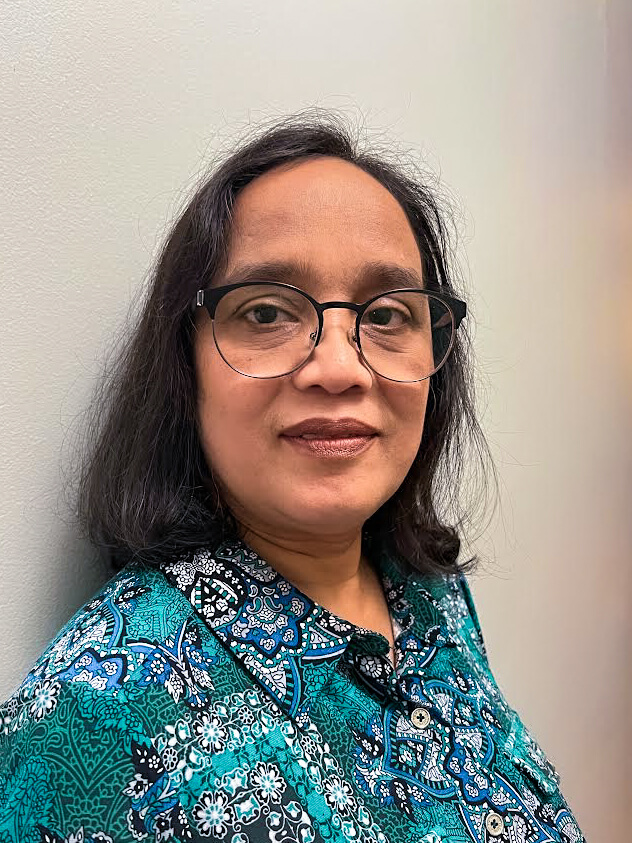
x=381 y=316
x=266 y=313
x=387 y=316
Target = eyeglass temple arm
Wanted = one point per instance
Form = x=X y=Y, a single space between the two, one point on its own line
x=200 y=300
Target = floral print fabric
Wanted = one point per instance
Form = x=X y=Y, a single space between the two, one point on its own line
x=213 y=701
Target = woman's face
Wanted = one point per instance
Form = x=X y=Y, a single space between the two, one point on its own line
x=338 y=234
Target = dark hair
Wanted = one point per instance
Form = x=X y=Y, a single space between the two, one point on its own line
x=145 y=487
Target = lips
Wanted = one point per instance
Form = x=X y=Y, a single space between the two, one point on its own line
x=330 y=439
x=330 y=429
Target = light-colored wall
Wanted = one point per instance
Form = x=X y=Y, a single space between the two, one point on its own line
x=110 y=109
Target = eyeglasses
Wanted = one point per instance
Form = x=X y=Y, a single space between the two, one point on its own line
x=268 y=329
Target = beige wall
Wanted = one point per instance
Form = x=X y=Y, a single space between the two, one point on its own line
x=109 y=109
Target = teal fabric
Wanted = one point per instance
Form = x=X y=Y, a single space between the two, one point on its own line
x=212 y=700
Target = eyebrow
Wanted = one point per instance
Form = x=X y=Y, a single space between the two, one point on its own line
x=373 y=275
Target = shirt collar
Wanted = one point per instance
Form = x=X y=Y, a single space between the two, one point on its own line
x=286 y=641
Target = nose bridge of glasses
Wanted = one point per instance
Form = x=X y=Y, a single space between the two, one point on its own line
x=349 y=328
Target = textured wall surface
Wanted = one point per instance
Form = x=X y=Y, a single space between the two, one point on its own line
x=109 y=110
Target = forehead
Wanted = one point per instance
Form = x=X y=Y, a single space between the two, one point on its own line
x=326 y=217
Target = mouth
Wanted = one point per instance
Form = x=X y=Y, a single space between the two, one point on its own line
x=323 y=428
x=330 y=437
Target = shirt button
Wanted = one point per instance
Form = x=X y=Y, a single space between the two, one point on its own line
x=494 y=824
x=420 y=717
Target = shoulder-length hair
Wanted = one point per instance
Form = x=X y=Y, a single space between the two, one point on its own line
x=146 y=489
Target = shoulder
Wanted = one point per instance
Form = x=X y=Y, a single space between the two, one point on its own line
x=121 y=667
x=459 y=604
x=137 y=631
x=452 y=599
x=138 y=604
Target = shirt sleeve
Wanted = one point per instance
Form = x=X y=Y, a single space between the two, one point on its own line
x=65 y=766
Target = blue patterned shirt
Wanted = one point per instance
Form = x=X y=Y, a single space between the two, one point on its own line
x=211 y=700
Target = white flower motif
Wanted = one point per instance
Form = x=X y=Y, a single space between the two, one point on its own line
x=297 y=606
x=338 y=794
x=372 y=666
x=268 y=781
x=45 y=696
x=184 y=572
x=169 y=758
x=212 y=814
x=210 y=733
x=245 y=716
x=153 y=762
x=310 y=747
x=138 y=787
x=158 y=665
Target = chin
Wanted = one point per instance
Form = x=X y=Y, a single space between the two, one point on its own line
x=330 y=517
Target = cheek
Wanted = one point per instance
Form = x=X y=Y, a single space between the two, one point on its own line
x=410 y=426
x=409 y=405
x=214 y=407
x=231 y=412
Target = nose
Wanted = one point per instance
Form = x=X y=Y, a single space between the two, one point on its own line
x=335 y=363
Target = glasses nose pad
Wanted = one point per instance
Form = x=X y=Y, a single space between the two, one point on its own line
x=351 y=335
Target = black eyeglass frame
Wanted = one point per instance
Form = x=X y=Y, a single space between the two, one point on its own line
x=211 y=297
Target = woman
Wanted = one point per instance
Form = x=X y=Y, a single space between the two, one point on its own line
x=289 y=651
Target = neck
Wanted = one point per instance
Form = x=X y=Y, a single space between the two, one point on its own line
x=331 y=572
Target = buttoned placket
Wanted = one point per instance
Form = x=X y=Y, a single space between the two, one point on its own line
x=367 y=644
x=233 y=576
x=328 y=644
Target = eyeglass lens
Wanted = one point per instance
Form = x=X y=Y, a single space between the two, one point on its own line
x=265 y=330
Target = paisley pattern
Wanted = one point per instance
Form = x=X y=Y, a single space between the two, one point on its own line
x=212 y=700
